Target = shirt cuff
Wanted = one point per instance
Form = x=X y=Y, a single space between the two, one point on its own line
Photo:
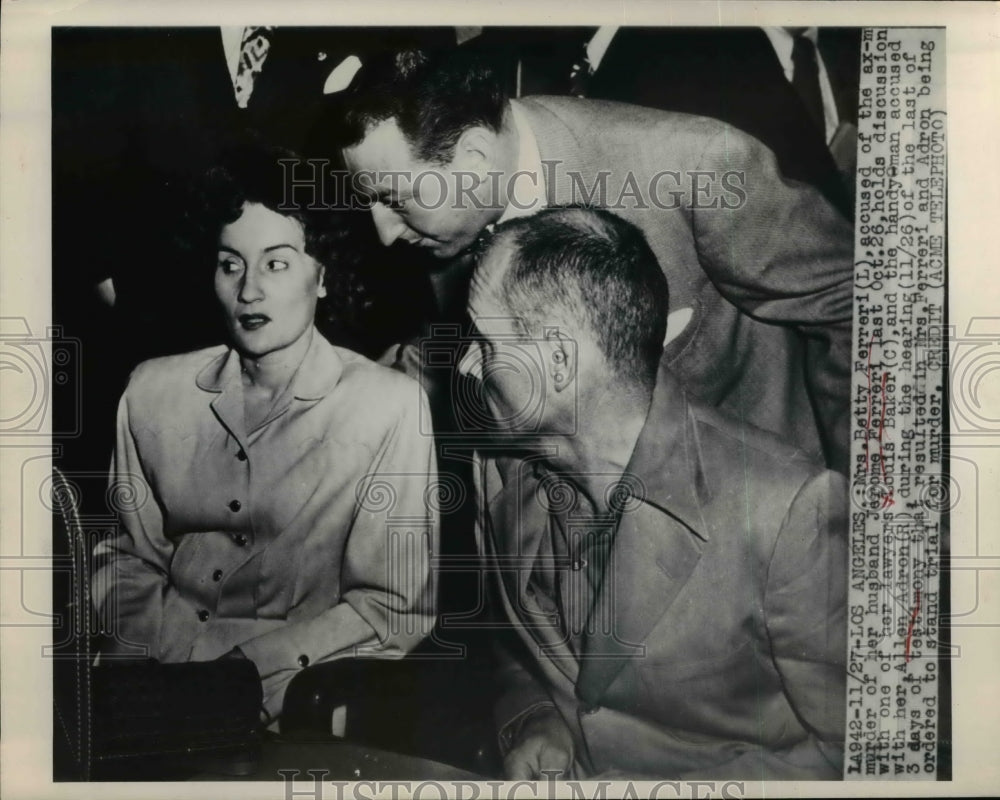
x=509 y=734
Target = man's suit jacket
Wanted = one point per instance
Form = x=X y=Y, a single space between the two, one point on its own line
x=733 y=74
x=726 y=590
x=770 y=281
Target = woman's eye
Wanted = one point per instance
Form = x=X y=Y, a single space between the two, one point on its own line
x=276 y=265
x=229 y=266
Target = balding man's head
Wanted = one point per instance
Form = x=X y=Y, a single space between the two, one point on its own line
x=586 y=269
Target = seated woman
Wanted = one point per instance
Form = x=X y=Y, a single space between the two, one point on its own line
x=261 y=484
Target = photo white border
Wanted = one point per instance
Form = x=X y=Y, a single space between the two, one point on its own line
x=973 y=147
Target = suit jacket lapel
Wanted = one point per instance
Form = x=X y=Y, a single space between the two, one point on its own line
x=652 y=558
x=658 y=542
x=516 y=523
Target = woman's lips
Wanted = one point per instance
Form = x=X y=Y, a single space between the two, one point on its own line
x=251 y=322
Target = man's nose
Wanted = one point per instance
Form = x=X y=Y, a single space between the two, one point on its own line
x=251 y=289
x=388 y=223
x=469 y=363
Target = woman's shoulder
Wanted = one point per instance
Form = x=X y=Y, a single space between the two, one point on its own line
x=173 y=371
x=357 y=368
x=379 y=386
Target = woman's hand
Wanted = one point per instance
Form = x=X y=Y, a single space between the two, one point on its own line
x=544 y=745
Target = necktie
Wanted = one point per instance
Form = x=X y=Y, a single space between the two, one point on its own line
x=253 y=50
x=581 y=545
x=554 y=592
x=805 y=78
x=573 y=554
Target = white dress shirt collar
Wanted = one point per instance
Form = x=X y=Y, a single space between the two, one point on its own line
x=598 y=45
x=232 y=43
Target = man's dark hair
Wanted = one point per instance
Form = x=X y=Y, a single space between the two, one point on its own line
x=598 y=269
x=434 y=95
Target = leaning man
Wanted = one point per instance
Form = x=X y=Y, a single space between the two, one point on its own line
x=674 y=580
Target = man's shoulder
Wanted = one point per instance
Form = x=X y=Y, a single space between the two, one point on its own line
x=757 y=483
x=584 y=112
x=600 y=135
x=751 y=450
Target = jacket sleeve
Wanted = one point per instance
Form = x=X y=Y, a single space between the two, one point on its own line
x=805 y=612
x=806 y=604
x=781 y=253
x=130 y=586
x=387 y=604
x=522 y=695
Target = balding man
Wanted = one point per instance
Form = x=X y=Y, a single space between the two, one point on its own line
x=676 y=580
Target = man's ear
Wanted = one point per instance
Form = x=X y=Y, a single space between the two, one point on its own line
x=476 y=151
x=321 y=287
x=561 y=354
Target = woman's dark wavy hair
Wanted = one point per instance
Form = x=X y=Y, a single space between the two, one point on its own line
x=254 y=172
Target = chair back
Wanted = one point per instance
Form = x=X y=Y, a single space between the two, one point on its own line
x=72 y=654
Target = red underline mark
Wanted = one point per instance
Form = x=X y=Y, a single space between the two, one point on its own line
x=909 y=629
x=881 y=422
x=868 y=422
x=887 y=499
